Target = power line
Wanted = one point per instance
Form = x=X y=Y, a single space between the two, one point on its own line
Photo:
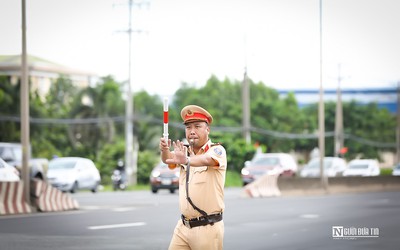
x=121 y=119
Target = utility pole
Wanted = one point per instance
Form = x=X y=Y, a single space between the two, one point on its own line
x=25 y=111
x=339 y=140
x=321 y=111
x=246 y=108
x=398 y=125
x=246 y=98
x=129 y=163
x=130 y=148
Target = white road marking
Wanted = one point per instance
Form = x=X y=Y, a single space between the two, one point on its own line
x=309 y=216
x=134 y=224
x=90 y=207
x=123 y=209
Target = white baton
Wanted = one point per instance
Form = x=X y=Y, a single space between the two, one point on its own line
x=165 y=134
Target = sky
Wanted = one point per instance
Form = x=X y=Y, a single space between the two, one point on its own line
x=277 y=41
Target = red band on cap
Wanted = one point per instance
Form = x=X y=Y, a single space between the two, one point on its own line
x=165 y=116
x=197 y=116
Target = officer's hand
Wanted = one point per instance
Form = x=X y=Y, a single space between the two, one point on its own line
x=180 y=154
x=164 y=145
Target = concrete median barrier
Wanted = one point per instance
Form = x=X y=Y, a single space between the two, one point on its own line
x=265 y=186
x=12 y=199
x=49 y=199
x=274 y=185
x=313 y=186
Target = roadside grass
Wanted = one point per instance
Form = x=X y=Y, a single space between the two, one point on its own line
x=233 y=179
x=386 y=171
x=137 y=187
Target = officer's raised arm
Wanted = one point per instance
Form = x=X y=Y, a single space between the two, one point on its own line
x=164 y=148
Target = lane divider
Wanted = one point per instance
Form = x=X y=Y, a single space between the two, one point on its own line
x=12 y=199
x=49 y=199
x=134 y=224
x=265 y=186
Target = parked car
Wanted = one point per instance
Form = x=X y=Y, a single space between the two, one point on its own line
x=162 y=177
x=362 y=167
x=12 y=154
x=70 y=174
x=268 y=163
x=396 y=170
x=8 y=172
x=333 y=166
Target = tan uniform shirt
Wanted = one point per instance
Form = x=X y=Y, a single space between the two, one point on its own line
x=206 y=184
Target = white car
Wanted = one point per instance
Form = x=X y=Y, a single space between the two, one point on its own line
x=70 y=174
x=362 y=167
x=268 y=163
x=333 y=166
x=396 y=170
x=8 y=172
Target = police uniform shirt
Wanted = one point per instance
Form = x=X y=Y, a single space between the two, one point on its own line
x=206 y=184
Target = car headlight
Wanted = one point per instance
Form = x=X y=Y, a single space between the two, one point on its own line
x=155 y=174
x=245 y=171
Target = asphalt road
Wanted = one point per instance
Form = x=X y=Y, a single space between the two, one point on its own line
x=142 y=220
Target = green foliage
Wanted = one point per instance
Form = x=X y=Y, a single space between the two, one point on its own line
x=386 y=171
x=233 y=179
x=238 y=152
x=107 y=159
x=10 y=105
x=146 y=162
x=60 y=98
x=96 y=127
x=147 y=110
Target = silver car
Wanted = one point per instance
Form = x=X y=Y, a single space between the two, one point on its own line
x=333 y=166
x=8 y=172
x=362 y=167
x=396 y=170
x=282 y=164
x=70 y=174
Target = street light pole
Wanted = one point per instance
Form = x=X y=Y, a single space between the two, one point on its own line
x=321 y=111
x=398 y=125
x=25 y=110
x=131 y=144
x=131 y=168
x=246 y=108
x=339 y=140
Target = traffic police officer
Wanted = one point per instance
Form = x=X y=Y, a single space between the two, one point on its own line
x=201 y=183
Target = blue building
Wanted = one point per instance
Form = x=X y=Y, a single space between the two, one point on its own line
x=384 y=97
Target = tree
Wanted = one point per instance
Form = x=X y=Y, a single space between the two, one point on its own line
x=93 y=118
x=100 y=103
x=10 y=106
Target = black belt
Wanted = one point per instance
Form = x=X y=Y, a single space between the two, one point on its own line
x=201 y=221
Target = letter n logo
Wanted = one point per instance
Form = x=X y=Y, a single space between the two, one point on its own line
x=337 y=231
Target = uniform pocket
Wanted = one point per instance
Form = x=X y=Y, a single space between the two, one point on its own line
x=200 y=174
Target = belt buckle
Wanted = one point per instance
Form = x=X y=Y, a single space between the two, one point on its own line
x=186 y=223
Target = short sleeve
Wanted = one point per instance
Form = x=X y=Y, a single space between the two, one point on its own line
x=218 y=153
